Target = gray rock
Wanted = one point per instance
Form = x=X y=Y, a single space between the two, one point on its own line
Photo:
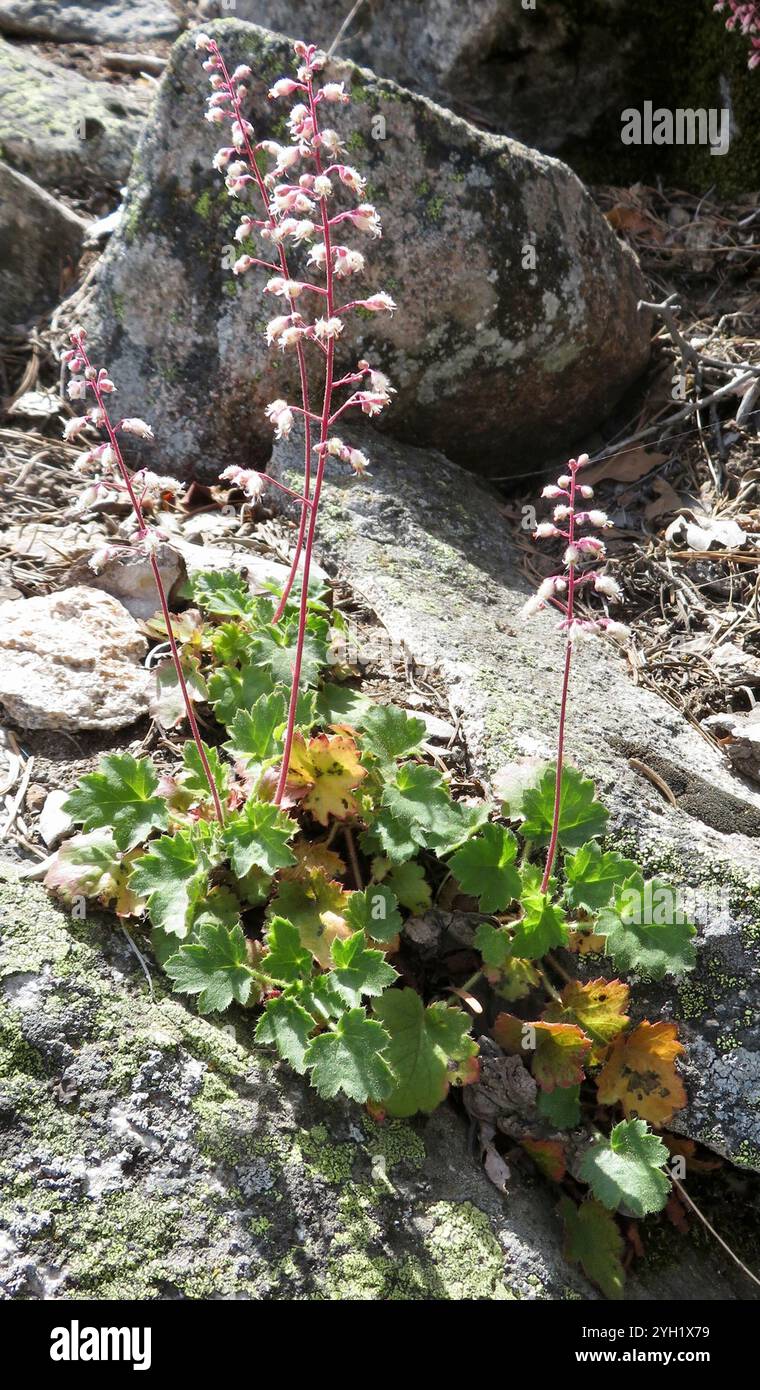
x=65 y=129
x=89 y=21
x=40 y=241
x=151 y=1154
x=488 y=358
x=514 y=67
x=54 y=823
x=428 y=549
x=71 y=660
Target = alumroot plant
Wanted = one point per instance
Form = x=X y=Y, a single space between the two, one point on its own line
x=582 y=557
x=297 y=196
x=744 y=15
x=109 y=474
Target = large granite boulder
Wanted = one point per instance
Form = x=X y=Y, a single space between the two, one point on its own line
x=40 y=245
x=491 y=354
x=151 y=1154
x=89 y=21
x=64 y=130
x=430 y=551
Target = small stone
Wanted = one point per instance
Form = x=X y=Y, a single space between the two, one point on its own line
x=71 y=660
x=54 y=823
x=40 y=242
x=36 y=796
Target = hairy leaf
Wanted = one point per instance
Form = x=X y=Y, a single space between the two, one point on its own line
x=275 y=649
x=350 y=1059
x=415 y=803
x=359 y=969
x=194 y=778
x=120 y=797
x=287 y=1025
x=640 y=1073
x=167 y=704
x=424 y=1043
x=173 y=876
x=581 y=817
x=230 y=690
x=548 y=1156
x=257 y=837
x=597 y=1007
x=411 y=887
x=593 y=1241
x=287 y=961
x=645 y=929
x=223 y=592
x=593 y=877
x=389 y=733
x=316 y=906
x=626 y=1170
x=485 y=868
x=215 y=967
x=253 y=731
x=543 y=925
x=560 y=1107
x=90 y=866
x=340 y=704
x=559 y=1050
x=374 y=911
x=329 y=768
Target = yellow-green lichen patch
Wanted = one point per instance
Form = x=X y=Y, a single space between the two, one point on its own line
x=395 y=1141
x=324 y=1157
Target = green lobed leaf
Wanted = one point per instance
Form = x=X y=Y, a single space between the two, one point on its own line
x=253 y=731
x=275 y=649
x=388 y=733
x=340 y=704
x=230 y=690
x=257 y=837
x=286 y=961
x=423 y=1044
x=626 y=1170
x=485 y=868
x=561 y=1107
x=173 y=876
x=415 y=803
x=88 y=866
x=121 y=797
x=194 y=778
x=215 y=967
x=350 y=1059
x=581 y=817
x=645 y=929
x=592 y=877
x=374 y=911
x=593 y=1240
x=409 y=884
x=286 y=1024
x=359 y=969
x=167 y=704
x=543 y=925
x=224 y=592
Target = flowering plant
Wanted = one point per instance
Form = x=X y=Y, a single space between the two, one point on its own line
x=745 y=15
x=296 y=210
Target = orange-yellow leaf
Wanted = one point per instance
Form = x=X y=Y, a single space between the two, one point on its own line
x=640 y=1073
x=597 y=1007
x=548 y=1155
x=329 y=768
x=558 y=1050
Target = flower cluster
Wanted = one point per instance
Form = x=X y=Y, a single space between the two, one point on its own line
x=582 y=557
x=746 y=17
x=302 y=204
x=298 y=196
x=102 y=464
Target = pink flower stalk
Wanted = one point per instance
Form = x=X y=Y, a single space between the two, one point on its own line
x=745 y=16
x=141 y=488
x=582 y=556
x=229 y=91
x=297 y=208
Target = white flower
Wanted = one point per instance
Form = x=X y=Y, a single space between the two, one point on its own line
x=351 y=178
x=244 y=229
x=281 y=416
x=322 y=186
x=335 y=446
x=553 y=491
x=544 y=530
x=222 y=158
x=328 y=328
x=214 y=116
x=598 y=518
x=283 y=88
x=334 y=91
x=247 y=479
x=242 y=264
x=276 y=327
x=380 y=303
x=618 y=630
x=292 y=336
x=289 y=289
x=585 y=490
x=318 y=255
x=347 y=262
x=561 y=513
x=133 y=425
x=605 y=584
x=564 y=481
x=77 y=389
x=366 y=219
x=242 y=73
x=102 y=556
x=330 y=141
x=302 y=230
x=108 y=459
x=203 y=43
x=572 y=555
x=75 y=426
x=378 y=381
x=358 y=461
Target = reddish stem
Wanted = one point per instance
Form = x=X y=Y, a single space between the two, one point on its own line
x=313 y=510
x=250 y=155
x=552 y=850
x=143 y=529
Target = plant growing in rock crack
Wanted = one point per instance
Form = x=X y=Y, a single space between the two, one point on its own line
x=277 y=864
x=297 y=210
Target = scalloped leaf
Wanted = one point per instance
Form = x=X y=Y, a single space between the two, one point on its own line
x=640 y=1073
x=389 y=733
x=626 y=1170
x=560 y=1052
x=596 y=1006
x=253 y=732
x=257 y=837
x=415 y=806
x=374 y=911
x=215 y=967
x=329 y=770
x=121 y=797
x=593 y=1240
x=543 y=925
x=173 y=876
x=581 y=818
x=287 y=1026
x=593 y=876
x=424 y=1045
x=315 y=905
x=287 y=961
x=358 y=969
x=485 y=868
x=350 y=1058
x=644 y=929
